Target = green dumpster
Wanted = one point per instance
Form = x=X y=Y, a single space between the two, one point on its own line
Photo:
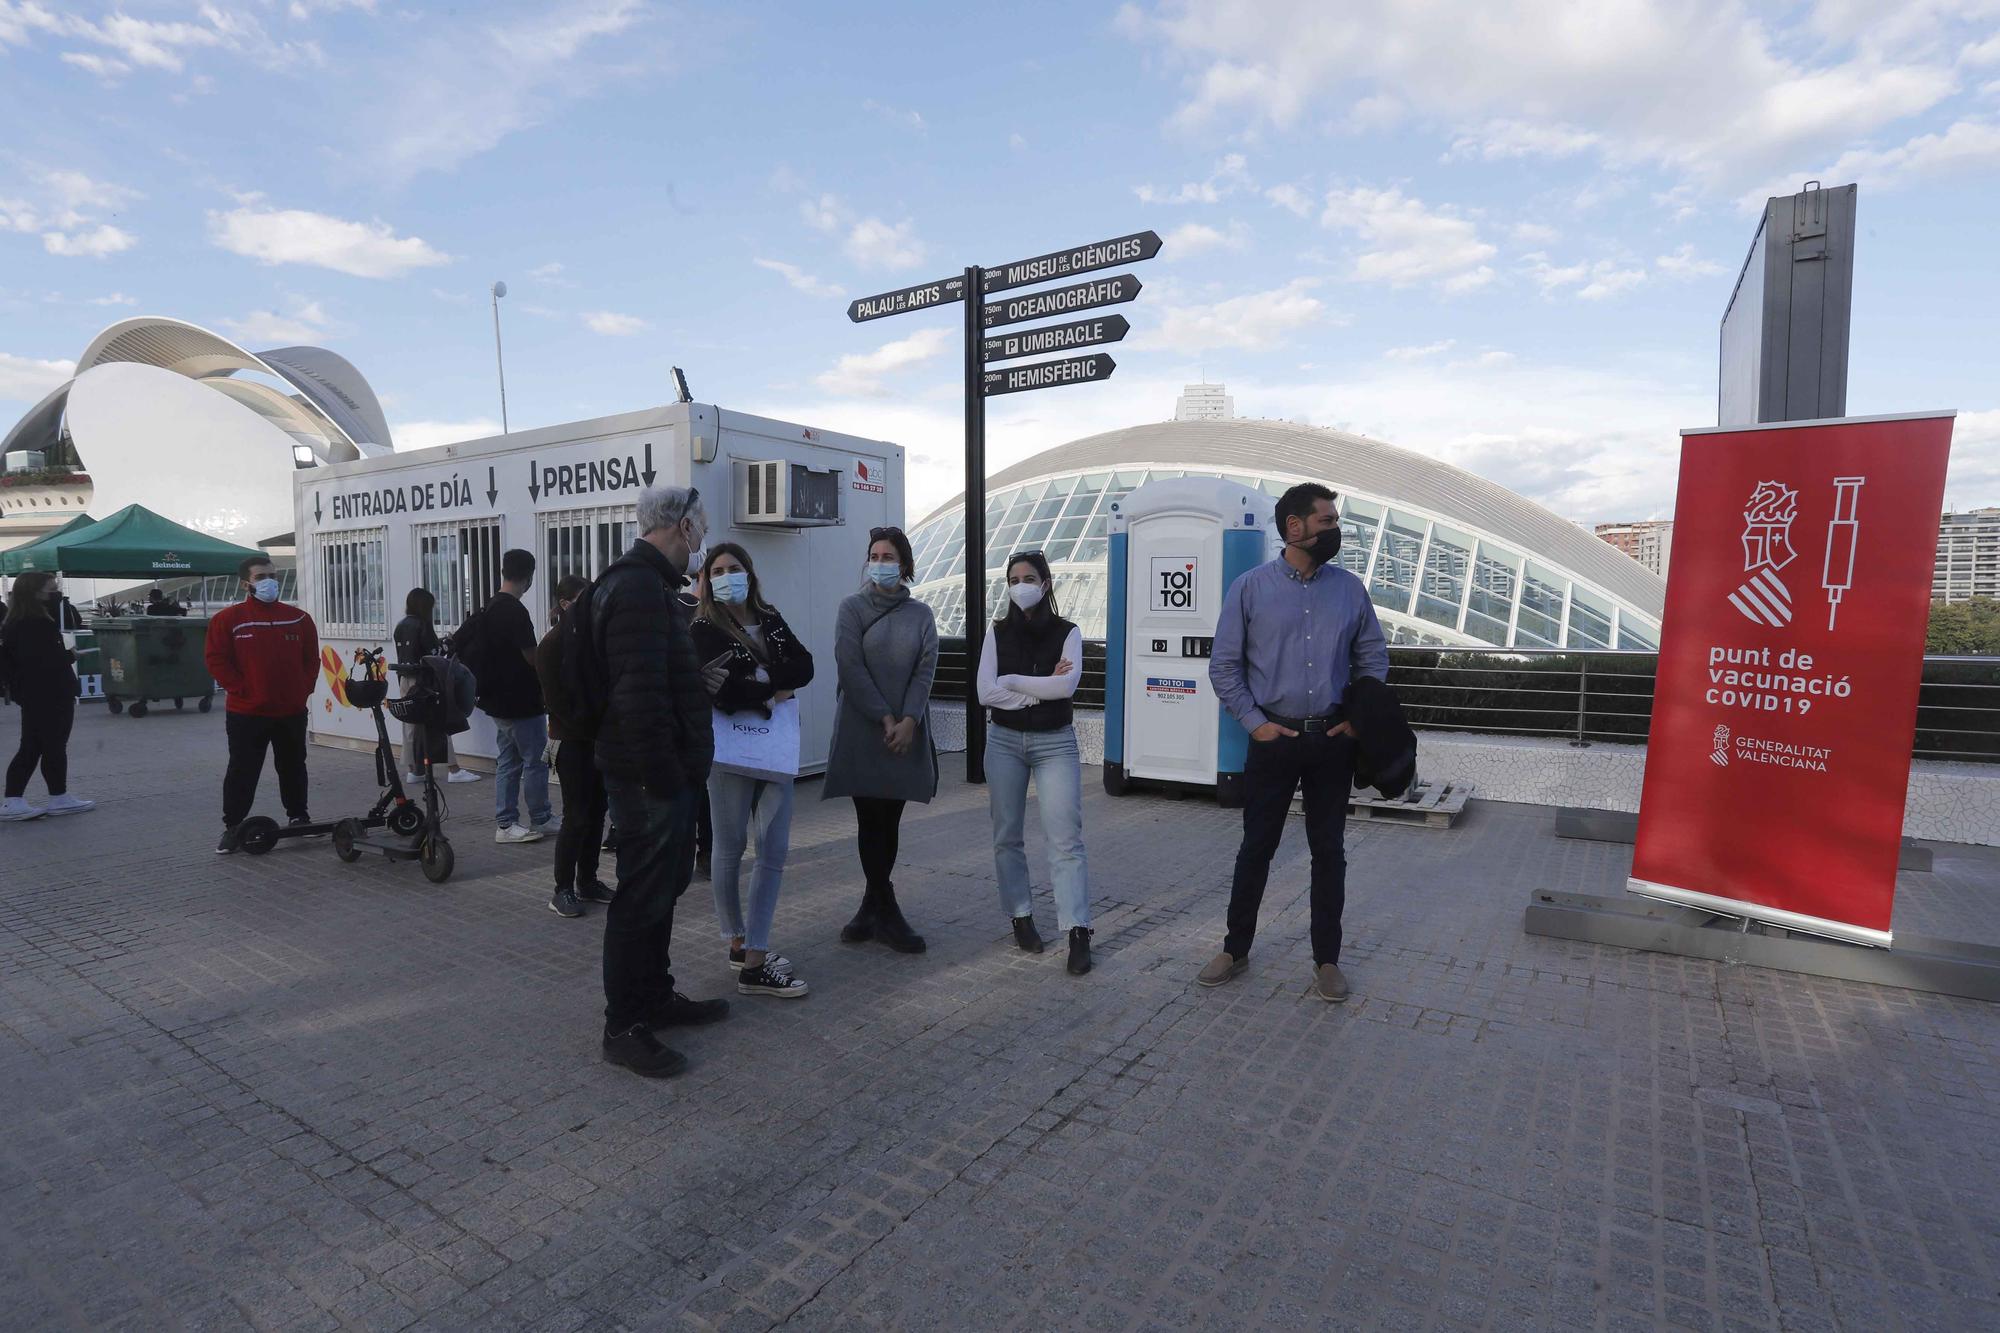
x=149 y=658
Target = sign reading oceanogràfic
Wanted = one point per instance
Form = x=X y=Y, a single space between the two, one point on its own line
x=1061 y=300
x=1784 y=712
x=1055 y=338
x=1077 y=259
x=920 y=297
x=1049 y=374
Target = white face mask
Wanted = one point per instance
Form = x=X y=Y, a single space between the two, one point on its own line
x=886 y=574
x=1027 y=596
x=730 y=586
x=266 y=590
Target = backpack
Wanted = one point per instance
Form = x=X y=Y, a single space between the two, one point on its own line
x=469 y=644
x=456 y=690
x=586 y=680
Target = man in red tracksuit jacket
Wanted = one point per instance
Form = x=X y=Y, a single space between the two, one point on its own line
x=265 y=654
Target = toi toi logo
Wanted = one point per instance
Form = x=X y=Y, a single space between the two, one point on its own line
x=1173 y=584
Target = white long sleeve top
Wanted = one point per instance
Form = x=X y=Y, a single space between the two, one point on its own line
x=1011 y=692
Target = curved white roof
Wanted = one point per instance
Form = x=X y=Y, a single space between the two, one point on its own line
x=1348 y=462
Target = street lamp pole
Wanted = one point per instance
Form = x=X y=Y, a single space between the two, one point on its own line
x=500 y=290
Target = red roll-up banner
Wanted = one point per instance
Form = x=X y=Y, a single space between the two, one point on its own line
x=1785 y=709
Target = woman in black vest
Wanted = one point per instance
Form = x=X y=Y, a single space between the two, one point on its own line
x=40 y=667
x=1028 y=672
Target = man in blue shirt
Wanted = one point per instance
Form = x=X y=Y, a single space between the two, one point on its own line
x=1292 y=634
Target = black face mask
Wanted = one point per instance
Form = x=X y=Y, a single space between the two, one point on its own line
x=1323 y=548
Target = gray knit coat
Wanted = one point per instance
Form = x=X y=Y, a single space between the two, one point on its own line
x=885 y=644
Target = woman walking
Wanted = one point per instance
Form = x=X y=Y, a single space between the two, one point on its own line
x=766 y=665
x=416 y=639
x=1028 y=673
x=39 y=668
x=886 y=645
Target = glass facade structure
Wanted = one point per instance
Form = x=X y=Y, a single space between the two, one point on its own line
x=1433 y=578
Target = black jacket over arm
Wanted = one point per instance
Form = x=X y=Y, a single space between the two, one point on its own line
x=1385 y=751
x=789 y=665
x=656 y=727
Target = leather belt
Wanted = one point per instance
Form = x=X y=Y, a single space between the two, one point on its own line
x=1309 y=726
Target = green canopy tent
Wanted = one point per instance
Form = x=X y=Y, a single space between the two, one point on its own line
x=41 y=552
x=134 y=543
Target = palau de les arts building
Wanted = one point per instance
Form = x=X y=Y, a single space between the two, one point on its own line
x=191 y=425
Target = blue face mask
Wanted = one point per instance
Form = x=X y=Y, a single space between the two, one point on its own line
x=885 y=575
x=732 y=586
x=266 y=590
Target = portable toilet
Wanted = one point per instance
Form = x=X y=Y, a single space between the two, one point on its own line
x=1176 y=546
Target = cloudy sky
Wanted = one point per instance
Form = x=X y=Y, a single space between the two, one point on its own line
x=1501 y=233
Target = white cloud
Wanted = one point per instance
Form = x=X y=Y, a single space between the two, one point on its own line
x=1254 y=322
x=305 y=323
x=1973 y=480
x=1685 y=263
x=1418 y=353
x=1191 y=238
x=1230 y=175
x=861 y=373
x=305 y=9
x=423 y=434
x=907 y=119
x=469 y=85
x=1408 y=243
x=1609 y=281
x=91 y=243
x=1017 y=143
x=1533 y=233
x=875 y=244
x=614 y=325
x=822 y=213
x=800 y=280
x=550 y=275
x=25 y=379
x=127 y=42
x=116 y=298
x=1498 y=140
x=1291 y=198
x=1591 y=280
x=107 y=68
x=1966 y=148
x=296 y=236
x=1717 y=90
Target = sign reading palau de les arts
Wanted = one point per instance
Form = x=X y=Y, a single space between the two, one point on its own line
x=1784 y=713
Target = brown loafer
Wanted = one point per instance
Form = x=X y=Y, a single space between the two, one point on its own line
x=1329 y=984
x=1223 y=967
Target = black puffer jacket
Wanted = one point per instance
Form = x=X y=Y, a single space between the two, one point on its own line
x=787 y=663
x=656 y=727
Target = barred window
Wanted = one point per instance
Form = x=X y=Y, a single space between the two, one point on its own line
x=582 y=541
x=351 y=583
x=459 y=564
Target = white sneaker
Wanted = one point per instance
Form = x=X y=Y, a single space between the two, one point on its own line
x=516 y=833
x=67 y=804
x=16 y=808
x=414 y=779
x=461 y=775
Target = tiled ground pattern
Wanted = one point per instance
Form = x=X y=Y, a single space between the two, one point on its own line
x=288 y=1093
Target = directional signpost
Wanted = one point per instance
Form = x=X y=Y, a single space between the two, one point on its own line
x=981 y=383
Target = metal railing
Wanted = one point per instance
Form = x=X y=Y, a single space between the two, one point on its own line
x=1585 y=698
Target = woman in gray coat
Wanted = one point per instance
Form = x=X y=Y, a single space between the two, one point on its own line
x=886 y=646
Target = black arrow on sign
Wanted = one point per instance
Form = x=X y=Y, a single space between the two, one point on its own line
x=534 y=493
x=649 y=474
x=1055 y=338
x=1048 y=374
x=492 y=489
x=1077 y=259
x=316 y=509
x=1061 y=300
x=920 y=297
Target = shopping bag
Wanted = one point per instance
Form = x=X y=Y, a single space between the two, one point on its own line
x=756 y=746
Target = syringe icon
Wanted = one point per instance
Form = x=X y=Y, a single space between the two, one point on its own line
x=1841 y=533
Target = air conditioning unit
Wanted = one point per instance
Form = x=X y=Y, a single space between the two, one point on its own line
x=778 y=493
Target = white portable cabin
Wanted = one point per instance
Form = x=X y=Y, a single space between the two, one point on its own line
x=800 y=500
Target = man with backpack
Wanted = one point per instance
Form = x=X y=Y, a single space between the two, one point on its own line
x=582 y=834
x=498 y=643
x=630 y=669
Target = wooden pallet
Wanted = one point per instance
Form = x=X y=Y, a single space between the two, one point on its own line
x=1426 y=805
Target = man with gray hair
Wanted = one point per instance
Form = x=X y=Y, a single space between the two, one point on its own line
x=654 y=747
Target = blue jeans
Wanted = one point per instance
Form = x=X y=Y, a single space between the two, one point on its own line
x=655 y=863
x=735 y=802
x=520 y=764
x=1051 y=758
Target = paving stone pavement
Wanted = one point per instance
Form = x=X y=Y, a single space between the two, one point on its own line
x=286 y=1093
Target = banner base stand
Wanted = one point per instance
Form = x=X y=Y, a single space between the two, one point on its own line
x=1622 y=826
x=1916 y=962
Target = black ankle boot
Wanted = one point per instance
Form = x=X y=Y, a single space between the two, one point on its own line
x=1079 y=950
x=862 y=927
x=1026 y=936
x=891 y=929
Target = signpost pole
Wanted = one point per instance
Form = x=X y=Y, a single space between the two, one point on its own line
x=975 y=524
